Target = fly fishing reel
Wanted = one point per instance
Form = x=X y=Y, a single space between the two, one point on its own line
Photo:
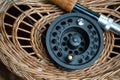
x=74 y=41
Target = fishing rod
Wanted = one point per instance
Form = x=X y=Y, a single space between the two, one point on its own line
x=105 y=22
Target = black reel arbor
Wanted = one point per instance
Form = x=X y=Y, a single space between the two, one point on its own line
x=74 y=41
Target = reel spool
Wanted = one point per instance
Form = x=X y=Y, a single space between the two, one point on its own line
x=74 y=41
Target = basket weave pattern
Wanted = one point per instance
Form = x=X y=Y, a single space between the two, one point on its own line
x=22 y=40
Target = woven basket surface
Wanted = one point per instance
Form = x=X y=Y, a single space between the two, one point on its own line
x=23 y=26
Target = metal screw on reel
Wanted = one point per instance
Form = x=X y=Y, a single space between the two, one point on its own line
x=74 y=41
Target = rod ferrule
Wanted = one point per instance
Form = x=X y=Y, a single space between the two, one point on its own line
x=108 y=24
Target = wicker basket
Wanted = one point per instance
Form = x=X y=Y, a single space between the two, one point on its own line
x=23 y=26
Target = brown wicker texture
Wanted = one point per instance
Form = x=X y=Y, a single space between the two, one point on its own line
x=23 y=27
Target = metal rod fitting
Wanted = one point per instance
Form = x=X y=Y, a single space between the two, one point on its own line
x=108 y=24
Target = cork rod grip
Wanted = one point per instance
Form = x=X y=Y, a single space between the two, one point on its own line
x=67 y=5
